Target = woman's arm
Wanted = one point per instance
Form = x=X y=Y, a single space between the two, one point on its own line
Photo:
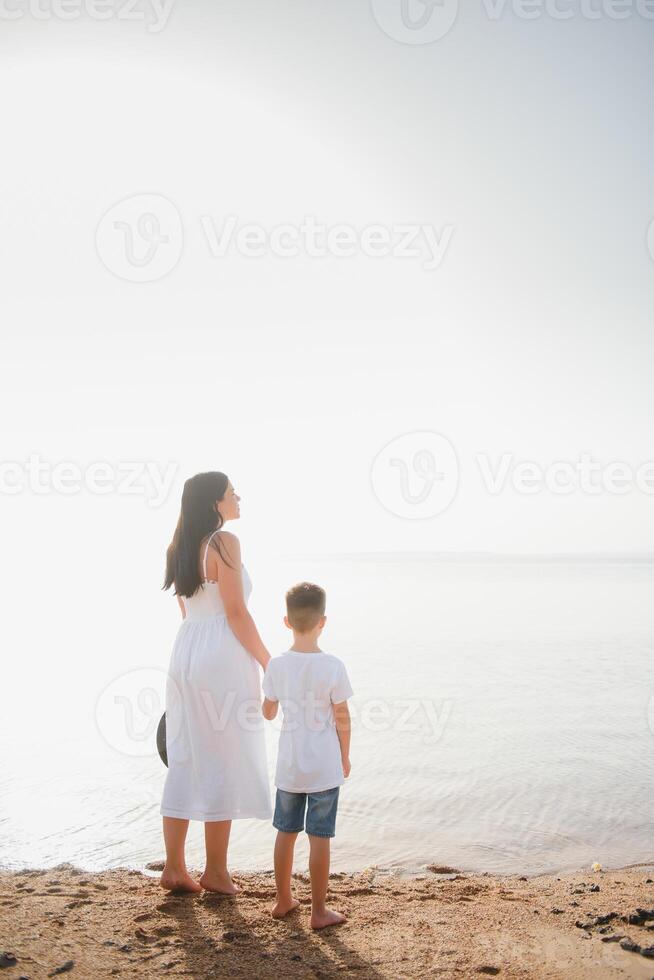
x=181 y=606
x=230 y=583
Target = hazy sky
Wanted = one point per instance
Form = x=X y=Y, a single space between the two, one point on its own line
x=523 y=146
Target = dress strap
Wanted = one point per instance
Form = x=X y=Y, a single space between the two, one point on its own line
x=204 y=560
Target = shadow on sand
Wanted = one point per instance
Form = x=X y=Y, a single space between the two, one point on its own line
x=218 y=936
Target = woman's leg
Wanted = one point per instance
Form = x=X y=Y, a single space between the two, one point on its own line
x=175 y=877
x=216 y=877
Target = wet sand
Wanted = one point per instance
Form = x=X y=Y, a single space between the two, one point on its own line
x=121 y=924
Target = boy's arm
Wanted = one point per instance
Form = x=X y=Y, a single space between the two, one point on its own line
x=269 y=709
x=343 y=726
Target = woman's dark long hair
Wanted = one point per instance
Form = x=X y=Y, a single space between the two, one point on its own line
x=197 y=519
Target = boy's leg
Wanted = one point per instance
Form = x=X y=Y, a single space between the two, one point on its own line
x=319 y=854
x=175 y=877
x=216 y=877
x=321 y=827
x=288 y=820
x=284 y=848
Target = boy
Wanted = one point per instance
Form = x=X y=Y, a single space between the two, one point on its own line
x=314 y=748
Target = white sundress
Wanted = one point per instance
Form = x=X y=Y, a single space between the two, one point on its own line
x=217 y=763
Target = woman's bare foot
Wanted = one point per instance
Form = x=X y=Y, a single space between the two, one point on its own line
x=320 y=920
x=283 y=906
x=219 y=882
x=178 y=881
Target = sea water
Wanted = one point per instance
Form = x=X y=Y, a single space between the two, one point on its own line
x=503 y=721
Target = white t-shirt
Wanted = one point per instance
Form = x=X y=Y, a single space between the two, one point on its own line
x=306 y=685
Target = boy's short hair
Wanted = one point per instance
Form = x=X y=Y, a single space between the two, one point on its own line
x=305 y=605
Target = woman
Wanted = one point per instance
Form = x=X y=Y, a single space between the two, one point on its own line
x=217 y=768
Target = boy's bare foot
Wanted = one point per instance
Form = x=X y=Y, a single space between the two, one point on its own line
x=222 y=884
x=320 y=920
x=178 y=881
x=282 y=908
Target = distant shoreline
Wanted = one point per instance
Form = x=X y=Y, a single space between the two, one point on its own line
x=481 y=557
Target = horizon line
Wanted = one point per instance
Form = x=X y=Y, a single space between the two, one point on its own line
x=606 y=557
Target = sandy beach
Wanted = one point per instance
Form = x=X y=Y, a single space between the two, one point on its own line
x=120 y=923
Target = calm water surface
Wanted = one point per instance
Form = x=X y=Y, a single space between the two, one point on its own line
x=503 y=721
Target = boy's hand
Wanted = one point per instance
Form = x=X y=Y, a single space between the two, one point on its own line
x=269 y=709
x=346 y=767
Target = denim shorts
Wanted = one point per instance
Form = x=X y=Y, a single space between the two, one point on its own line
x=321 y=812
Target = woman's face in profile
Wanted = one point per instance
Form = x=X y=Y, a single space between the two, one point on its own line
x=228 y=507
